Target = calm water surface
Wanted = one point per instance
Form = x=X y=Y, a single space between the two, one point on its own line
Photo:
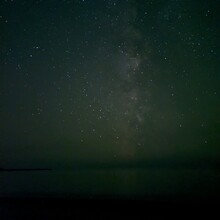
x=129 y=183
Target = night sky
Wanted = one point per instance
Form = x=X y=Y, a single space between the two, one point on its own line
x=109 y=81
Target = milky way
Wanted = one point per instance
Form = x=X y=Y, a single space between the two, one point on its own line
x=109 y=81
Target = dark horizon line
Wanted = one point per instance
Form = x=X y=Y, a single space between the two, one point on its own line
x=142 y=164
x=25 y=169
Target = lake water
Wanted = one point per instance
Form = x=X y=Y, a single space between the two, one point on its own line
x=115 y=183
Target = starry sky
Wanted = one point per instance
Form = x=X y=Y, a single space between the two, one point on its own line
x=109 y=81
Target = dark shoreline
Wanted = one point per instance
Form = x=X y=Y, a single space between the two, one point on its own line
x=11 y=170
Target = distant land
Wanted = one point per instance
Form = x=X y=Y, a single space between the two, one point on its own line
x=26 y=169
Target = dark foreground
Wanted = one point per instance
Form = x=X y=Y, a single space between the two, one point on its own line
x=109 y=194
x=101 y=208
